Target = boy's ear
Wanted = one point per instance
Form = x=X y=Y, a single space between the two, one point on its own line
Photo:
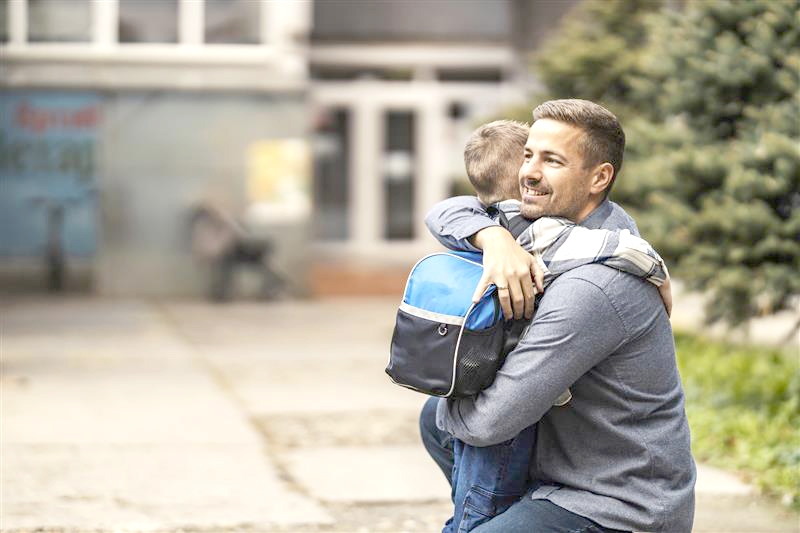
x=602 y=177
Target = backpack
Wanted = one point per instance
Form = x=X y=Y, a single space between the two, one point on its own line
x=443 y=344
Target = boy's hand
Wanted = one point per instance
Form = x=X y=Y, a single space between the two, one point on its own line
x=665 y=290
x=511 y=268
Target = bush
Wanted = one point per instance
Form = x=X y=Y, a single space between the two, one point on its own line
x=743 y=405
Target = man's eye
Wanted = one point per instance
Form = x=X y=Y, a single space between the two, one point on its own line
x=551 y=160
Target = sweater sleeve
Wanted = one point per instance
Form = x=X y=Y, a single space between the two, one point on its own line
x=564 y=342
x=453 y=221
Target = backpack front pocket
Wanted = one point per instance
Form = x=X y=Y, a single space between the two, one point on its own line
x=423 y=351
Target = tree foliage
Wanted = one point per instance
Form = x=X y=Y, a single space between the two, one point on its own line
x=710 y=98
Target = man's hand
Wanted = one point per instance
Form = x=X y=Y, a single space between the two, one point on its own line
x=665 y=290
x=511 y=268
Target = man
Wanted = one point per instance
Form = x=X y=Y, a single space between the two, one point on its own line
x=617 y=457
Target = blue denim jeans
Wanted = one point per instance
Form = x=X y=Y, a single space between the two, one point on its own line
x=487 y=480
x=493 y=510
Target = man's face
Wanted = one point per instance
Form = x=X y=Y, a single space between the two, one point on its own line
x=552 y=179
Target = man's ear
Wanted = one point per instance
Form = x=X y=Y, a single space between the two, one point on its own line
x=602 y=176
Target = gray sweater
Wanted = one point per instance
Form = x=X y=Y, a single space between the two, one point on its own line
x=619 y=452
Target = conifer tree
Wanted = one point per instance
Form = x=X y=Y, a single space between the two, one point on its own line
x=596 y=51
x=709 y=93
x=714 y=162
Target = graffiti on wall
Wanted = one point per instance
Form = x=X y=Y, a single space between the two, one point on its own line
x=47 y=165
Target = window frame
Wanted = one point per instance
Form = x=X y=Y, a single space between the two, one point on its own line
x=278 y=21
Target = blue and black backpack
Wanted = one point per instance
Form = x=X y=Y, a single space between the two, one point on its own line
x=443 y=344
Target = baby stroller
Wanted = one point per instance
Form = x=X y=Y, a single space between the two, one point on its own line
x=221 y=241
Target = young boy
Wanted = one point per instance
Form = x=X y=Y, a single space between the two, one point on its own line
x=487 y=480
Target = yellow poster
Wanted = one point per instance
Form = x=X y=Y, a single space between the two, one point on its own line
x=279 y=173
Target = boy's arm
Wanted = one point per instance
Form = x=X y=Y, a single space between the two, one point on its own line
x=557 y=245
x=560 y=245
x=453 y=221
x=456 y=223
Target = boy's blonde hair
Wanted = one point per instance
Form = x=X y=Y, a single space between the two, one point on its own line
x=492 y=156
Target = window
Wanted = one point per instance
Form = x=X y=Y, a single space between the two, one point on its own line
x=398 y=175
x=493 y=75
x=324 y=72
x=148 y=21
x=401 y=20
x=331 y=172
x=232 y=22
x=3 y=21
x=59 y=21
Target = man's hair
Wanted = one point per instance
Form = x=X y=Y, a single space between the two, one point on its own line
x=492 y=156
x=603 y=140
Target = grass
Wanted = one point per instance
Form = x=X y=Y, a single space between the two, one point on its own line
x=743 y=405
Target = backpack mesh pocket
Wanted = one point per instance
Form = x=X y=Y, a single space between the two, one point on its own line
x=478 y=359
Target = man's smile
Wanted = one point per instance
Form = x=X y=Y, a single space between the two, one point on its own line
x=529 y=194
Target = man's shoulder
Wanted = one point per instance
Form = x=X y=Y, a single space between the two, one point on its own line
x=595 y=273
x=597 y=289
x=582 y=286
x=621 y=219
x=614 y=284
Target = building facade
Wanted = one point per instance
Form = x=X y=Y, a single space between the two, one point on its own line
x=119 y=116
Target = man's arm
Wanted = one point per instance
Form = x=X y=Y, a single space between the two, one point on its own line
x=575 y=328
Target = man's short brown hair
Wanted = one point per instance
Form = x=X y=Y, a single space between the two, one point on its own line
x=603 y=140
x=492 y=156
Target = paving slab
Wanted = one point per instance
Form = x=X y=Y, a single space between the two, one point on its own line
x=338 y=385
x=302 y=325
x=374 y=427
x=123 y=415
x=111 y=421
x=725 y=503
x=726 y=513
x=299 y=357
x=368 y=474
x=144 y=486
x=182 y=405
x=714 y=481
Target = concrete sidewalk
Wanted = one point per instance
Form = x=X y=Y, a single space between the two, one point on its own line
x=130 y=416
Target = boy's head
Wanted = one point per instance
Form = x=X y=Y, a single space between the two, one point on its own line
x=493 y=156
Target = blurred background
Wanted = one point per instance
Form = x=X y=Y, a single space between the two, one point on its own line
x=121 y=118
x=158 y=157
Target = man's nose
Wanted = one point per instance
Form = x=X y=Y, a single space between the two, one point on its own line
x=531 y=170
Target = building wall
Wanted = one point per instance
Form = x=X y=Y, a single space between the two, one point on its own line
x=183 y=109
x=385 y=94
x=161 y=154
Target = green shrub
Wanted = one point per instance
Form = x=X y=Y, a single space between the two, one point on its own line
x=743 y=405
